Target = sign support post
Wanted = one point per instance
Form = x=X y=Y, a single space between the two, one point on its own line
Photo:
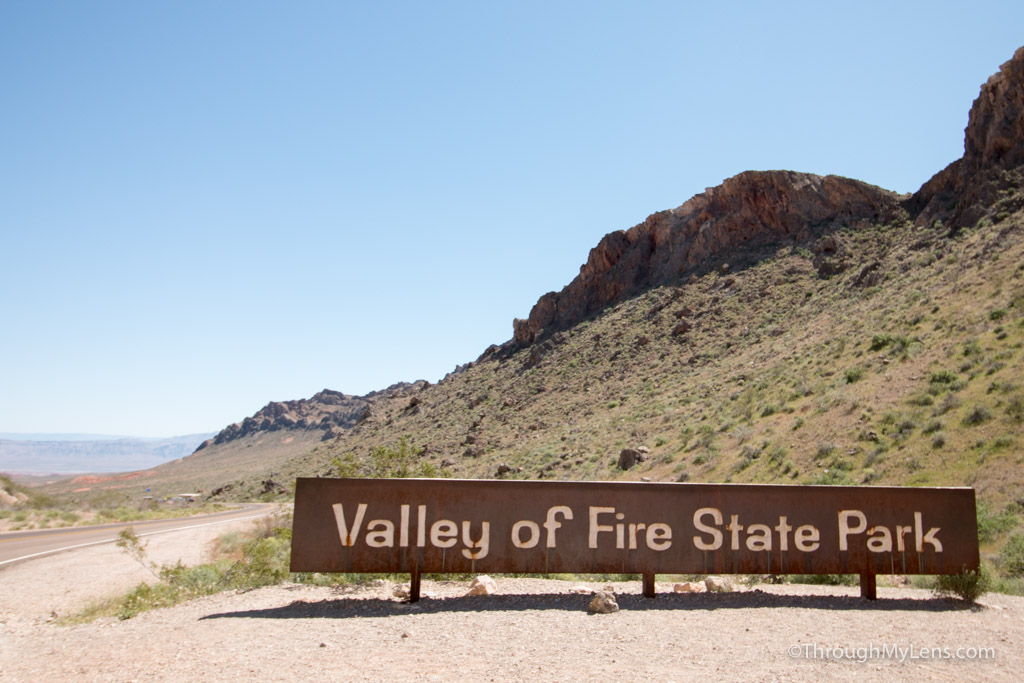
x=648 y=584
x=868 y=590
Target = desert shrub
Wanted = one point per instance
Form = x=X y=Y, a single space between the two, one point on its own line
x=978 y=415
x=742 y=433
x=997 y=314
x=942 y=377
x=832 y=477
x=991 y=523
x=947 y=404
x=971 y=348
x=1011 y=557
x=1015 y=409
x=402 y=461
x=261 y=559
x=824 y=450
x=897 y=345
x=853 y=375
x=880 y=341
x=968 y=585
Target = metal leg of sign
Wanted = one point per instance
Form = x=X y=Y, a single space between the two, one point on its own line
x=868 y=590
x=648 y=585
x=414 y=585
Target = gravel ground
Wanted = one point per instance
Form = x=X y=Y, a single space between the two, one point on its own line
x=531 y=629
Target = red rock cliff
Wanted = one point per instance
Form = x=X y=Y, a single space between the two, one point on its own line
x=763 y=207
x=754 y=207
x=993 y=144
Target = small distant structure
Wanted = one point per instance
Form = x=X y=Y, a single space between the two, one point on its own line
x=186 y=498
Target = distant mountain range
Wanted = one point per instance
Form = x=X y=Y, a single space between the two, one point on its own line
x=77 y=453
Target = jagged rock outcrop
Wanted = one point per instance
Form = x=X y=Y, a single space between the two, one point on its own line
x=754 y=207
x=769 y=206
x=324 y=410
x=993 y=145
x=329 y=411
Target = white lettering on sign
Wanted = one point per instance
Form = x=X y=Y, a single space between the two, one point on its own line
x=443 y=533
x=855 y=523
x=347 y=535
x=758 y=537
x=607 y=526
x=657 y=536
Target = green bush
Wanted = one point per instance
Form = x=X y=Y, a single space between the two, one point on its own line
x=1011 y=557
x=978 y=415
x=402 y=461
x=968 y=586
x=263 y=561
x=991 y=524
x=1015 y=409
x=942 y=377
x=898 y=345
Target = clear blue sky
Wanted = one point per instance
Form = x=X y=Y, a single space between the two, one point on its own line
x=205 y=206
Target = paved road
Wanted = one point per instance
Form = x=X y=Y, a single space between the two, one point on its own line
x=17 y=546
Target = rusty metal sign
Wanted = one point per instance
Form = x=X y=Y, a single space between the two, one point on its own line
x=443 y=525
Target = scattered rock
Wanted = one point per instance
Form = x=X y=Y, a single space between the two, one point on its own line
x=603 y=603
x=869 y=277
x=682 y=328
x=688 y=587
x=631 y=456
x=717 y=584
x=502 y=470
x=482 y=585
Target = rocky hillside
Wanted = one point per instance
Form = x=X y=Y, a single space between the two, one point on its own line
x=780 y=327
x=326 y=414
x=749 y=210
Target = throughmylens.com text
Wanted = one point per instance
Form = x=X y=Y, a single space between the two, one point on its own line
x=900 y=653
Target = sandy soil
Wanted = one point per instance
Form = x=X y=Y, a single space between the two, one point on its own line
x=532 y=629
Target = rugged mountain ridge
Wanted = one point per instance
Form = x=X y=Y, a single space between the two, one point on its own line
x=750 y=209
x=327 y=411
x=758 y=207
x=961 y=193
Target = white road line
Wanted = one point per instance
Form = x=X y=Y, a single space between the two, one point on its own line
x=111 y=540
